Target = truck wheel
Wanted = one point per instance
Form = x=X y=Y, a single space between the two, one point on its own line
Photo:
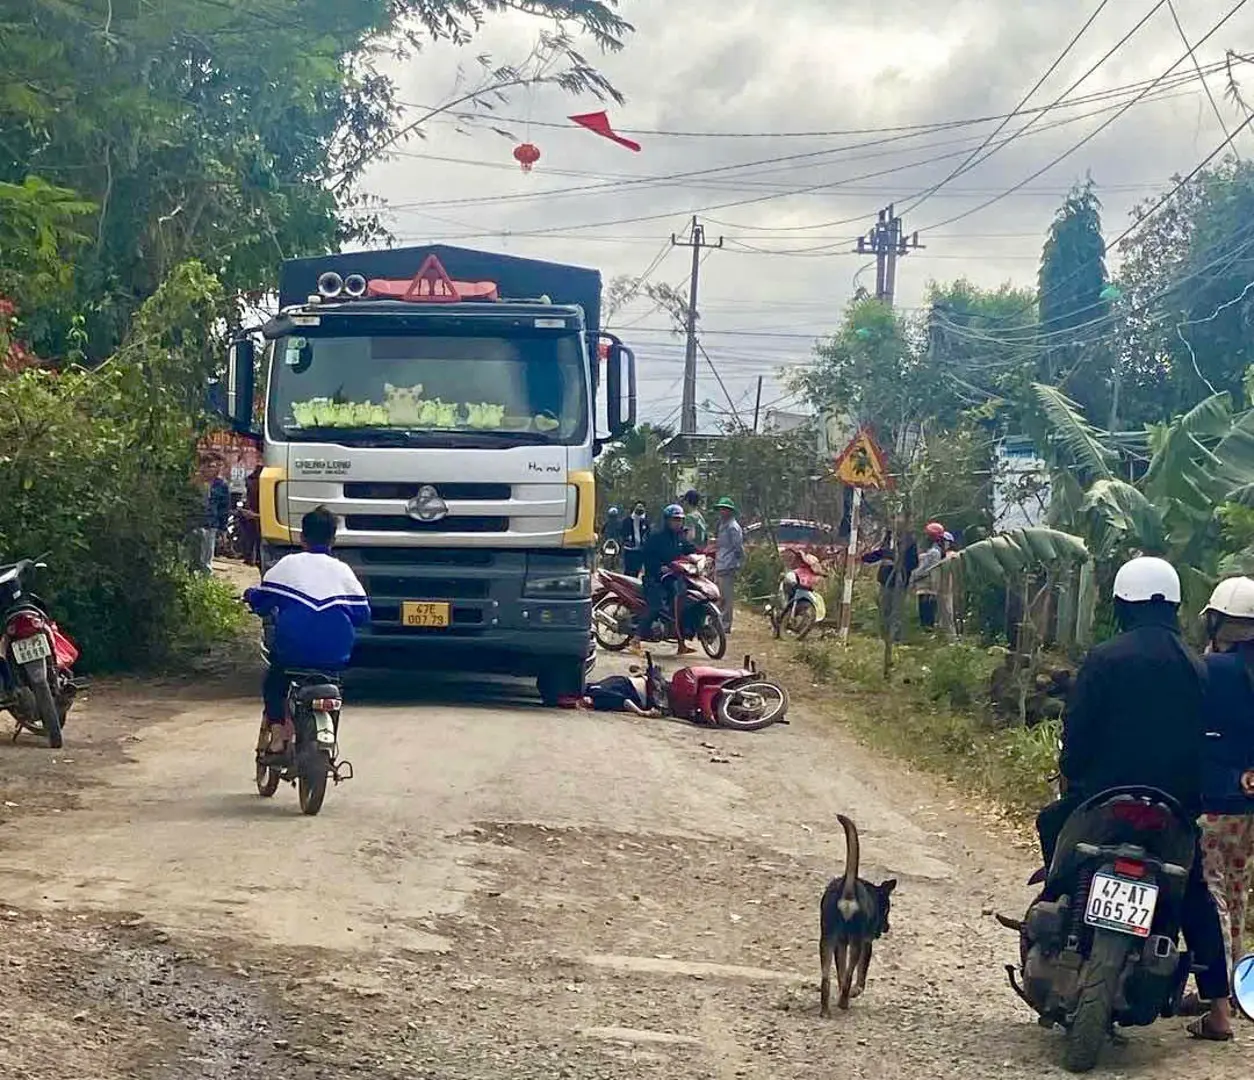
x=560 y=679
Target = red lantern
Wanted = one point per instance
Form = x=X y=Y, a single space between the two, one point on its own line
x=526 y=154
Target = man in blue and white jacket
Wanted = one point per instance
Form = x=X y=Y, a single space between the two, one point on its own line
x=315 y=603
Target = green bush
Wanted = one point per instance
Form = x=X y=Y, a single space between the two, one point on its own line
x=959 y=674
x=759 y=577
x=206 y=612
x=96 y=472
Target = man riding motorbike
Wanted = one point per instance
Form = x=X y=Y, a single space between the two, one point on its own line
x=660 y=550
x=1136 y=718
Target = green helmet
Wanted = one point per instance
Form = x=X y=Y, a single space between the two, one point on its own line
x=725 y=504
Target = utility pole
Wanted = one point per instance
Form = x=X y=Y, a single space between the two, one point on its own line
x=696 y=241
x=888 y=242
x=757 y=406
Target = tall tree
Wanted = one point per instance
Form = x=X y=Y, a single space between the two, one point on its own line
x=229 y=131
x=1071 y=283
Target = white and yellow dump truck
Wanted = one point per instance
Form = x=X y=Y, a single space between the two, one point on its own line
x=443 y=404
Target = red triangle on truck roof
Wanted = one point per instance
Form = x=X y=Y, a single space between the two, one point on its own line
x=433 y=284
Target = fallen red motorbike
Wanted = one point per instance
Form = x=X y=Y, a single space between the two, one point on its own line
x=743 y=699
x=618 y=602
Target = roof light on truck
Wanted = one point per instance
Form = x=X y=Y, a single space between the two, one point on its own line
x=330 y=285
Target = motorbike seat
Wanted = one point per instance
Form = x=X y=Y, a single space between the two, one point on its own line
x=313 y=691
x=623 y=579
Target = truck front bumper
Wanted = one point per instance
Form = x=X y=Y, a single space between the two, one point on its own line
x=499 y=623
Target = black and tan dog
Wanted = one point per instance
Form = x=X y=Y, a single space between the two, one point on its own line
x=852 y=914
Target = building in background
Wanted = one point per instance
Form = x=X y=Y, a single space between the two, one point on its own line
x=1021 y=485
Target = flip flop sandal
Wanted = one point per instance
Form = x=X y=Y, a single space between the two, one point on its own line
x=1199 y=1030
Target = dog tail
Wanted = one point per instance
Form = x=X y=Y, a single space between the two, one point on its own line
x=848 y=902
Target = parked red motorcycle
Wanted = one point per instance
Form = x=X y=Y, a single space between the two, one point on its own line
x=743 y=699
x=618 y=602
x=37 y=684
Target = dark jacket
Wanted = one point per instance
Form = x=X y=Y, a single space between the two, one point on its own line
x=663 y=547
x=628 y=531
x=1136 y=716
x=886 y=556
x=1229 y=747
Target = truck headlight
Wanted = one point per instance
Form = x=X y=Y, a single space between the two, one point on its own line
x=572 y=584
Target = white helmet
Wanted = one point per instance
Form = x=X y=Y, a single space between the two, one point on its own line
x=1233 y=597
x=1147 y=578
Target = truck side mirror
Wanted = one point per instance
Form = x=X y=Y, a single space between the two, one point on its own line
x=620 y=368
x=239 y=388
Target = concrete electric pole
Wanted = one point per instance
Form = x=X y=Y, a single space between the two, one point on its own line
x=688 y=411
x=887 y=241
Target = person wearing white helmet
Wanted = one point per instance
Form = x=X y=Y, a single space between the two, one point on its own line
x=1228 y=773
x=1135 y=718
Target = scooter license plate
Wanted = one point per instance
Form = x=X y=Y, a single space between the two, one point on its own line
x=1122 y=905
x=28 y=650
x=325 y=728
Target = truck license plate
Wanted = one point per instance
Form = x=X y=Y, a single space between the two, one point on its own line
x=1118 y=904
x=422 y=615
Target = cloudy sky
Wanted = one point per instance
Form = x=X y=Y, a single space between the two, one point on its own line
x=800 y=120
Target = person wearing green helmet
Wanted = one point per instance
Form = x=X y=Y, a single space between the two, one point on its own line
x=729 y=557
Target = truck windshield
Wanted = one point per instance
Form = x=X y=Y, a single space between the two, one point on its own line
x=497 y=391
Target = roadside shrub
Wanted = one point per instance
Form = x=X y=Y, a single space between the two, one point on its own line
x=206 y=612
x=759 y=577
x=958 y=674
x=95 y=472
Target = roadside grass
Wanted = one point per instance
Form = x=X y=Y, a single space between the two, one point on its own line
x=931 y=714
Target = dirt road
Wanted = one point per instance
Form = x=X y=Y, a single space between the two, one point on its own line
x=503 y=891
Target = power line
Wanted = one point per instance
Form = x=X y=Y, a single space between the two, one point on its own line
x=938 y=125
x=789 y=159
x=1014 y=112
x=1094 y=133
x=1076 y=84
x=1223 y=126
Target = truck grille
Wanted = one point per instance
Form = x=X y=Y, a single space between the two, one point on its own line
x=465 y=492
x=396 y=523
x=427 y=588
x=382 y=556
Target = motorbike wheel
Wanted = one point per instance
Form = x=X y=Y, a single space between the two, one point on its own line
x=46 y=709
x=311 y=785
x=750 y=704
x=802 y=619
x=711 y=634
x=613 y=610
x=267 y=781
x=1099 y=982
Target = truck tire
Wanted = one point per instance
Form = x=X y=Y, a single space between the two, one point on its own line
x=562 y=678
x=1099 y=982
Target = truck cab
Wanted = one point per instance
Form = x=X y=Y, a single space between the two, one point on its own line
x=442 y=403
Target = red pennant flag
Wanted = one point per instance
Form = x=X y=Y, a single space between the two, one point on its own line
x=599 y=122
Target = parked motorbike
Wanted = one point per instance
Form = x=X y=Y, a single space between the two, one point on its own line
x=798 y=606
x=1100 y=946
x=611 y=554
x=37 y=684
x=618 y=601
x=744 y=699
